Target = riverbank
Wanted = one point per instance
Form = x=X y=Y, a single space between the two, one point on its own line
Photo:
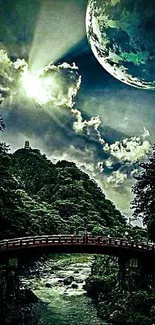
x=132 y=304
x=78 y=290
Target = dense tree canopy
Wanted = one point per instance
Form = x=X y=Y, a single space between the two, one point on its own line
x=39 y=197
x=144 y=191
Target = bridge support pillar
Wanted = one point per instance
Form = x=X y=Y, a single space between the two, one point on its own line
x=122 y=262
x=146 y=271
x=129 y=274
x=11 y=267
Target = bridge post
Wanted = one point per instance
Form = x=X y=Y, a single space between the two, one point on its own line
x=147 y=270
x=98 y=240
x=122 y=262
x=129 y=274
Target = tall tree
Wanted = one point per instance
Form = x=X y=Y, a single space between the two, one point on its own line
x=144 y=191
x=2 y=125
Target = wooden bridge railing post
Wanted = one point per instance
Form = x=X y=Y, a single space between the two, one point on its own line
x=122 y=262
x=21 y=243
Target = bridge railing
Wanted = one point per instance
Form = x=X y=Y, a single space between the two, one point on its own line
x=73 y=240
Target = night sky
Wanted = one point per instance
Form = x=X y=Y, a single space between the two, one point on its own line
x=106 y=129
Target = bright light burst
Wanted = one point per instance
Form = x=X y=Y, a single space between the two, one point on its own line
x=56 y=85
x=35 y=87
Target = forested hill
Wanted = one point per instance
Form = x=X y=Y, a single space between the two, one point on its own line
x=39 y=197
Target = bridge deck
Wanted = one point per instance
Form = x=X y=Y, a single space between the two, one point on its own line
x=70 y=243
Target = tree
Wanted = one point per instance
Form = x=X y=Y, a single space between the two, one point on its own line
x=38 y=197
x=144 y=191
x=2 y=125
x=4 y=148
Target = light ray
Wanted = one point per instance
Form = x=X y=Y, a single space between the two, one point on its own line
x=57 y=30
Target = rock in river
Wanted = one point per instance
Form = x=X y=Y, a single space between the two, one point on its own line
x=74 y=285
x=68 y=280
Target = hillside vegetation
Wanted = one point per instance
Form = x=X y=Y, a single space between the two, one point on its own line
x=37 y=196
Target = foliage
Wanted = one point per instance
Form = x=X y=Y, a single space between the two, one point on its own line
x=133 y=304
x=39 y=197
x=9 y=199
x=2 y=125
x=124 y=308
x=144 y=191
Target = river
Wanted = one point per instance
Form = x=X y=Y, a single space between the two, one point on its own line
x=59 y=285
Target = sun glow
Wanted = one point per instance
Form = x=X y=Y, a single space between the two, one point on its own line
x=35 y=87
x=54 y=85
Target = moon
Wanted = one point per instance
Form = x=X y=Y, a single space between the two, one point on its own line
x=121 y=34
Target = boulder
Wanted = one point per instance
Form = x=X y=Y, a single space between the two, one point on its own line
x=74 y=285
x=76 y=272
x=48 y=285
x=84 y=287
x=68 y=280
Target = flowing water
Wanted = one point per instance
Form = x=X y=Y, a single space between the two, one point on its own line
x=60 y=287
x=66 y=304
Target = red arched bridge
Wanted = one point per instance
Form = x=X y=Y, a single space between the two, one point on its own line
x=24 y=247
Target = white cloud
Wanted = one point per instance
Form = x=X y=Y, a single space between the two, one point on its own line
x=79 y=125
x=146 y=133
x=100 y=166
x=127 y=152
x=10 y=74
x=54 y=85
x=131 y=149
x=117 y=178
x=61 y=83
x=84 y=159
x=109 y=163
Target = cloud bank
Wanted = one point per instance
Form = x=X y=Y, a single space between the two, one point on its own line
x=42 y=108
x=55 y=85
